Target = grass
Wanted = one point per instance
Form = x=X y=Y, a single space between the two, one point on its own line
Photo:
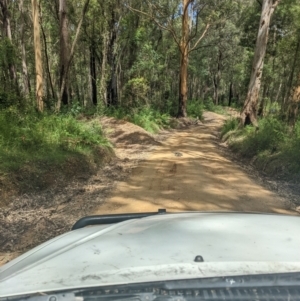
x=229 y=126
x=149 y=119
x=195 y=109
x=274 y=147
x=29 y=138
x=209 y=105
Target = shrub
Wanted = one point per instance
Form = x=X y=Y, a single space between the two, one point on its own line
x=209 y=105
x=270 y=135
x=195 y=109
x=150 y=119
x=28 y=136
x=229 y=125
x=291 y=149
x=275 y=146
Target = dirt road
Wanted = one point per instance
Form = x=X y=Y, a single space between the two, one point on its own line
x=186 y=171
x=189 y=172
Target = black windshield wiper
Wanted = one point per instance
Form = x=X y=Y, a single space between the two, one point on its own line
x=93 y=296
x=117 y=297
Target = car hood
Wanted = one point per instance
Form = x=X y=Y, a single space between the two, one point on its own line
x=157 y=248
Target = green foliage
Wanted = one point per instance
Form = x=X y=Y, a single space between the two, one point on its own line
x=9 y=98
x=195 y=108
x=274 y=144
x=229 y=126
x=7 y=53
x=150 y=119
x=270 y=135
x=29 y=137
x=210 y=106
x=291 y=149
x=272 y=108
x=118 y=112
x=8 y=88
x=136 y=91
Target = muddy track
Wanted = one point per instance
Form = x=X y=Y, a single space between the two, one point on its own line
x=182 y=170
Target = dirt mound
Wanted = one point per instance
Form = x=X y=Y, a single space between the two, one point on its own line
x=121 y=132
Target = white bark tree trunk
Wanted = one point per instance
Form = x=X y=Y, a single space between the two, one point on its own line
x=249 y=112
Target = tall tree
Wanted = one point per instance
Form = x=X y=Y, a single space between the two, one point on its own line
x=112 y=89
x=64 y=78
x=294 y=104
x=38 y=56
x=190 y=15
x=249 y=112
x=6 y=32
x=64 y=50
x=25 y=75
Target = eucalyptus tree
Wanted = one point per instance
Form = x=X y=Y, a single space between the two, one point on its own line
x=64 y=56
x=193 y=26
x=291 y=44
x=7 y=34
x=249 y=112
x=67 y=57
x=188 y=22
x=25 y=73
x=39 y=92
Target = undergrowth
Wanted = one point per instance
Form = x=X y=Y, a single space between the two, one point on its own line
x=195 y=109
x=29 y=137
x=274 y=146
x=149 y=119
x=209 y=105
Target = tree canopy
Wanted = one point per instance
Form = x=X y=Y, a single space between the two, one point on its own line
x=161 y=53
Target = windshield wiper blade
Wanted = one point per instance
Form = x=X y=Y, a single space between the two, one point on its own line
x=119 y=297
x=135 y=297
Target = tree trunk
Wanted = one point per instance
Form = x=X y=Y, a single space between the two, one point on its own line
x=112 y=93
x=64 y=50
x=183 y=88
x=217 y=78
x=6 y=32
x=184 y=54
x=249 y=112
x=38 y=56
x=294 y=102
x=103 y=88
x=230 y=94
x=70 y=57
x=26 y=81
x=289 y=90
x=93 y=73
x=278 y=92
x=261 y=106
x=47 y=59
x=216 y=89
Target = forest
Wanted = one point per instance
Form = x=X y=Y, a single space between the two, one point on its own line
x=65 y=63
